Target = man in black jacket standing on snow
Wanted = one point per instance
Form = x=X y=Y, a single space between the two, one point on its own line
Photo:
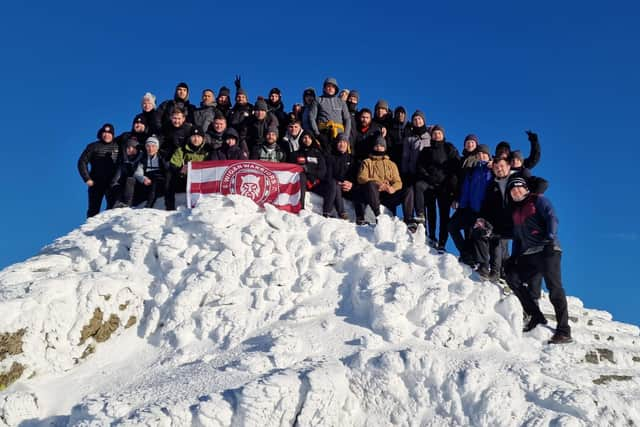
x=97 y=166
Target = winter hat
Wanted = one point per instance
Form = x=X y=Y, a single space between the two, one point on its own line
x=309 y=91
x=241 y=91
x=399 y=109
x=355 y=93
x=473 y=137
x=132 y=142
x=152 y=140
x=503 y=146
x=261 y=105
x=342 y=137
x=197 y=130
x=275 y=90
x=380 y=141
x=517 y=182
x=231 y=133
x=517 y=154
x=140 y=119
x=419 y=113
x=331 y=81
x=437 y=127
x=107 y=127
x=273 y=129
x=382 y=104
x=224 y=91
x=482 y=148
x=183 y=85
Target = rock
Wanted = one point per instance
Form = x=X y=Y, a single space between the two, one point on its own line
x=603 y=379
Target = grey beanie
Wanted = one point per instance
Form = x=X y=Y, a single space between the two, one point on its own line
x=333 y=81
x=380 y=141
x=273 y=129
x=382 y=104
x=261 y=104
x=419 y=113
x=152 y=140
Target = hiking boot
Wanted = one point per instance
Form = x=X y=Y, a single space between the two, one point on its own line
x=432 y=242
x=533 y=322
x=494 y=277
x=560 y=339
x=326 y=215
x=483 y=272
x=419 y=219
x=360 y=221
x=343 y=215
x=441 y=249
x=118 y=205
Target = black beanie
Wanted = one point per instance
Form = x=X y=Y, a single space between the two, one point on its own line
x=483 y=148
x=517 y=182
x=224 y=91
x=419 y=113
x=274 y=90
x=503 y=146
x=184 y=85
x=140 y=119
x=231 y=133
x=197 y=130
x=107 y=127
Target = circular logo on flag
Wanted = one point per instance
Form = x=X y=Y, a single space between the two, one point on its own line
x=251 y=180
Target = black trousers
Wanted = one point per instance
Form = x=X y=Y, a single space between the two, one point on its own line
x=489 y=252
x=96 y=193
x=544 y=264
x=368 y=194
x=161 y=185
x=431 y=197
x=462 y=220
x=322 y=189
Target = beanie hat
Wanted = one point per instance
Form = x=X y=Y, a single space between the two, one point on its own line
x=261 y=105
x=183 y=85
x=419 y=113
x=197 y=130
x=503 y=146
x=517 y=154
x=273 y=129
x=274 y=90
x=241 y=91
x=517 y=182
x=331 y=81
x=472 y=137
x=437 y=127
x=132 y=142
x=382 y=104
x=399 y=109
x=482 y=148
x=231 y=133
x=152 y=140
x=107 y=127
x=140 y=119
x=342 y=137
x=355 y=93
x=224 y=91
x=380 y=141
x=309 y=91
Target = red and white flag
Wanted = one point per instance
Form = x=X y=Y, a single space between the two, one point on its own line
x=263 y=182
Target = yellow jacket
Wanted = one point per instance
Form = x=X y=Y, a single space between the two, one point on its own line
x=380 y=169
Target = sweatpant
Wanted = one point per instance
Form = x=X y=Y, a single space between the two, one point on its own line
x=547 y=265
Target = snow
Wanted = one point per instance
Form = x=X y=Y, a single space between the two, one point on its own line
x=237 y=315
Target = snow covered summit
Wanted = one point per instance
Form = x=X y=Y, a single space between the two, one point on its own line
x=230 y=315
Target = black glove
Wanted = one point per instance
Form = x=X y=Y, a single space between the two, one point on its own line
x=237 y=82
x=532 y=136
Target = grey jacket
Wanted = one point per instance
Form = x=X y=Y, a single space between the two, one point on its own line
x=330 y=108
x=411 y=147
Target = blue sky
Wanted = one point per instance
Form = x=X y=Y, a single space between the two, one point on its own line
x=567 y=70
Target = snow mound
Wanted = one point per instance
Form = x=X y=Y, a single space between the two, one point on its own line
x=228 y=314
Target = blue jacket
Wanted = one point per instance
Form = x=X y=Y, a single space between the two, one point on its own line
x=535 y=224
x=474 y=186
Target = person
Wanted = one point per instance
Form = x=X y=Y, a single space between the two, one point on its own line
x=329 y=116
x=415 y=140
x=138 y=131
x=180 y=101
x=176 y=134
x=97 y=165
x=214 y=135
x=203 y=116
x=344 y=94
x=352 y=106
x=476 y=179
x=240 y=113
x=258 y=124
x=269 y=150
x=365 y=136
x=193 y=151
x=342 y=174
x=223 y=102
x=310 y=157
x=382 y=115
x=308 y=101
x=397 y=133
x=291 y=141
x=437 y=175
x=537 y=252
x=276 y=108
x=123 y=183
x=151 y=115
x=233 y=148
x=154 y=175
x=503 y=149
x=380 y=183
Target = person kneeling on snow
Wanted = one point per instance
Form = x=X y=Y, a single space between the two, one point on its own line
x=381 y=184
x=536 y=252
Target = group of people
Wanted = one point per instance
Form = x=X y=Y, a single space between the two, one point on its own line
x=374 y=158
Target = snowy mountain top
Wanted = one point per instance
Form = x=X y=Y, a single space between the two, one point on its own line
x=230 y=315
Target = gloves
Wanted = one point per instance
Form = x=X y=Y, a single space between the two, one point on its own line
x=237 y=82
x=532 y=136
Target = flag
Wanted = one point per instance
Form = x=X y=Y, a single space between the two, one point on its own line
x=263 y=182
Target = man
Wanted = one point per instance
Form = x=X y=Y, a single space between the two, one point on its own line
x=151 y=115
x=330 y=115
x=503 y=149
x=193 y=151
x=291 y=140
x=536 y=252
x=258 y=123
x=343 y=173
x=269 y=150
x=240 y=113
x=97 y=165
x=176 y=134
x=138 y=131
x=223 y=101
x=415 y=140
x=382 y=114
x=203 y=116
x=123 y=183
x=216 y=130
x=381 y=184
x=366 y=135
x=314 y=167
x=276 y=107
x=181 y=101
x=352 y=106
x=233 y=148
x=154 y=175
x=396 y=134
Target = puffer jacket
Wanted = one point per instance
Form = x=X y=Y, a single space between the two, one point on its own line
x=380 y=169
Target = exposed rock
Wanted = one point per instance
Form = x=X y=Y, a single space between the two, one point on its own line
x=599 y=354
x=11 y=343
x=99 y=330
x=7 y=378
x=603 y=379
x=132 y=321
x=636 y=358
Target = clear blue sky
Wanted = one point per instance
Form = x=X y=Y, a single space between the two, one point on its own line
x=568 y=70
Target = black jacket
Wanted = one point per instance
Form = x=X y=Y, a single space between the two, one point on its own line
x=165 y=110
x=172 y=138
x=154 y=121
x=99 y=161
x=235 y=152
x=342 y=167
x=312 y=161
x=126 y=168
x=364 y=141
x=438 y=166
x=257 y=129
